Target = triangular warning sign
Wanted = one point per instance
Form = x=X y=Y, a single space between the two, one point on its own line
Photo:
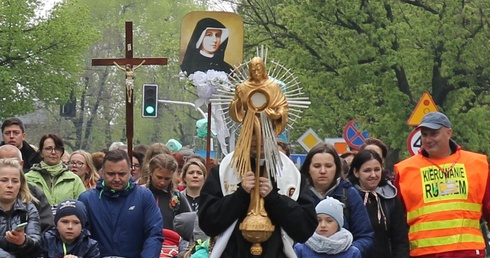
x=426 y=105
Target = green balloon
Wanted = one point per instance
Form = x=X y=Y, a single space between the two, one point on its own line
x=202 y=128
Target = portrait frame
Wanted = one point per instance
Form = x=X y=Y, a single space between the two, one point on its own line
x=233 y=54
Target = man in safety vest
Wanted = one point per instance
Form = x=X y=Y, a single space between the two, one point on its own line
x=445 y=191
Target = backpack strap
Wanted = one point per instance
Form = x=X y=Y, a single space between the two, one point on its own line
x=345 y=201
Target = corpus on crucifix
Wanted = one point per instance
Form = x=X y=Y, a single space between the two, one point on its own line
x=126 y=64
x=129 y=78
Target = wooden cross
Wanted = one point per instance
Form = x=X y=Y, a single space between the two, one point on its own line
x=126 y=64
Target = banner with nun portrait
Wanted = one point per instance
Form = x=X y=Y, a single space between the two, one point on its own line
x=211 y=46
x=211 y=41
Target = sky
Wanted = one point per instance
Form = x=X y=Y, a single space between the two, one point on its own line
x=48 y=4
x=216 y=5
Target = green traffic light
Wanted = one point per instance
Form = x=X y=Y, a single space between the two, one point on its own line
x=150 y=110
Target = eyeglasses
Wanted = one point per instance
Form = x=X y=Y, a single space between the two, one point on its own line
x=76 y=163
x=135 y=166
x=15 y=133
x=51 y=149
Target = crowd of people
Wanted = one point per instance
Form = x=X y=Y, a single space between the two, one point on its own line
x=102 y=204
x=160 y=203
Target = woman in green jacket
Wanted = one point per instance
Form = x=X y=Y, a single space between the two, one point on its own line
x=51 y=175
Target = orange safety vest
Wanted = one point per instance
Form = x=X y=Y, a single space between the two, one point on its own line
x=443 y=209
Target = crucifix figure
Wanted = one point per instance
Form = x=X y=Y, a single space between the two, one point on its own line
x=126 y=64
x=129 y=78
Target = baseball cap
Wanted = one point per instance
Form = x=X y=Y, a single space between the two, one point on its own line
x=435 y=120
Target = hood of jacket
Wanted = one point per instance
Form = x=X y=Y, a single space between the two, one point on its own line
x=45 y=169
x=387 y=191
x=338 y=182
x=335 y=191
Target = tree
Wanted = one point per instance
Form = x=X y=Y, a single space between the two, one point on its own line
x=372 y=60
x=156 y=29
x=39 y=55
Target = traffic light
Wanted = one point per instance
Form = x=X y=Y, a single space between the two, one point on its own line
x=150 y=100
x=70 y=108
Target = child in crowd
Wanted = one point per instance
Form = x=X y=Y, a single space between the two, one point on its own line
x=69 y=239
x=330 y=238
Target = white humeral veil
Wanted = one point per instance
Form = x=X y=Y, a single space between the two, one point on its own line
x=290 y=178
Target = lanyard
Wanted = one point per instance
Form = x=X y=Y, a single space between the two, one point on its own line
x=446 y=171
x=64 y=249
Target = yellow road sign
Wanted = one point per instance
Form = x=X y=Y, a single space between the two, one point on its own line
x=425 y=105
x=309 y=139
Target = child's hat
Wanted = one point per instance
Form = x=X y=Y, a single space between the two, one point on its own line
x=71 y=207
x=333 y=208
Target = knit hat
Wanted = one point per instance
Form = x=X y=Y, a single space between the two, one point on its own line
x=71 y=207
x=333 y=208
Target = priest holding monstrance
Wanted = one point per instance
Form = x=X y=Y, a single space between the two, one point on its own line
x=256 y=203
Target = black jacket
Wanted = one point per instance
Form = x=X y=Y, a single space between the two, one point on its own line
x=218 y=212
x=165 y=200
x=20 y=213
x=29 y=155
x=388 y=221
x=46 y=219
x=83 y=246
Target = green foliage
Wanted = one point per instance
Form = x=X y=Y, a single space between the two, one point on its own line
x=39 y=57
x=156 y=33
x=45 y=58
x=372 y=60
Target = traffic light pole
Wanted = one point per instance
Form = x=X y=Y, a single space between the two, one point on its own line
x=208 y=117
x=184 y=103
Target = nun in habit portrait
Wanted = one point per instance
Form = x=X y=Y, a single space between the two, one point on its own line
x=206 y=48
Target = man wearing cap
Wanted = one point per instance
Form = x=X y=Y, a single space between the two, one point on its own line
x=445 y=191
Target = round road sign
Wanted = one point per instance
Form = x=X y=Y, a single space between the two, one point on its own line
x=414 y=141
x=353 y=135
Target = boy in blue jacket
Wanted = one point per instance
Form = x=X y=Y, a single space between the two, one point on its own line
x=330 y=238
x=69 y=239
